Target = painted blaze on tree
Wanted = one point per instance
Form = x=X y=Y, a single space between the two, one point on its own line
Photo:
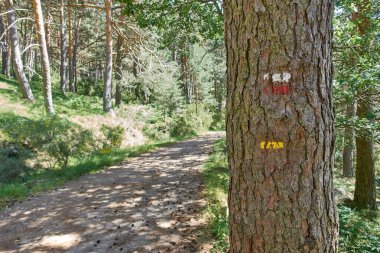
x=280 y=199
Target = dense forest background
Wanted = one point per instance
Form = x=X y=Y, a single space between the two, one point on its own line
x=83 y=82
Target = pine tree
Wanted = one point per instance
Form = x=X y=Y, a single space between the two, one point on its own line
x=280 y=126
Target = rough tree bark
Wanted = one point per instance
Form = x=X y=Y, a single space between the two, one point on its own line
x=17 y=61
x=119 y=71
x=349 y=133
x=63 y=49
x=107 y=89
x=280 y=126
x=45 y=64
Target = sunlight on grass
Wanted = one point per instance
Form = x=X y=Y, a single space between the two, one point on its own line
x=70 y=104
x=216 y=180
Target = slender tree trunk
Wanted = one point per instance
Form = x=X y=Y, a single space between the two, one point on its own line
x=70 y=52
x=174 y=54
x=8 y=60
x=215 y=87
x=45 y=64
x=196 y=92
x=365 y=186
x=96 y=61
x=63 y=45
x=349 y=135
x=280 y=143
x=31 y=62
x=24 y=39
x=96 y=73
x=218 y=93
x=119 y=71
x=75 y=52
x=18 y=66
x=3 y=45
x=107 y=90
x=185 y=76
x=30 y=59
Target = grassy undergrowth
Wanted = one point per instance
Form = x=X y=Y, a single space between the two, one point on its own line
x=359 y=230
x=216 y=180
x=42 y=180
x=69 y=104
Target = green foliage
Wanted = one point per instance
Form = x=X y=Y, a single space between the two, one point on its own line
x=156 y=82
x=158 y=125
x=70 y=143
x=183 y=126
x=191 y=120
x=12 y=168
x=356 y=58
x=179 y=21
x=184 y=122
x=88 y=87
x=13 y=159
x=59 y=138
x=359 y=231
x=114 y=136
x=12 y=191
x=216 y=180
x=218 y=121
x=80 y=104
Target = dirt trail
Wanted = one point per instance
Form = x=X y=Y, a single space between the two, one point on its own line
x=150 y=204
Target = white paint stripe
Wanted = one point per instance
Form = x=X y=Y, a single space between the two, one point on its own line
x=277 y=78
x=286 y=76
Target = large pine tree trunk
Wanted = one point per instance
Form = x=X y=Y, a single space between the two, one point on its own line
x=45 y=64
x=119 y=71
x=280 y=126
x=348 y=161
x=18 y=66
x=63 y=45
x=365 y=186
x=107 y=89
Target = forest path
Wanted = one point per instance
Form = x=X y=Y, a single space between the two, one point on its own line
x=150 y=203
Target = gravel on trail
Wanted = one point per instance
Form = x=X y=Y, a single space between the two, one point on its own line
x=151 y=203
